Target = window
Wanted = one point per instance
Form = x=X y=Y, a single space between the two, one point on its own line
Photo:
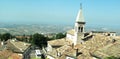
x=78 y=29
x=81 y=29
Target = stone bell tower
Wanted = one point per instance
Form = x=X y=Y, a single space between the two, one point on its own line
x=79 y=27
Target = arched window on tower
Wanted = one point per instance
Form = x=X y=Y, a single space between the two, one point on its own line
x=81 y=29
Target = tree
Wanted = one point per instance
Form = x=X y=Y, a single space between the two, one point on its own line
x=6 y=36
x=0 y=36
x=40 y=40
x=60 y=35
x=42 y=56
x=31 y=39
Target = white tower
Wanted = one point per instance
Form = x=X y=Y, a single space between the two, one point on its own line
x=79 y=27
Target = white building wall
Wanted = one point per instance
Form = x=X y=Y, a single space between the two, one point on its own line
x=50 y=57
x=112 y=34
x=75 y=38
x=72 y=38
x=69 y=57
x=69 y=36
x=49 y=47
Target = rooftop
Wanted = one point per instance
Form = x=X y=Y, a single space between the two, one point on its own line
x=58 y=42
x=4 y=54
x=17 y=46
x=15 y=56
x=109 y=50
x=101 y=32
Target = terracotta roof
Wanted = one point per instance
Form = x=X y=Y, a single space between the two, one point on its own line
x=67 y=51
x=62 y=57
x=63 y=49
x=17 y=46
x=22 y=37
x=71 y=53
x=90 y=47
x=4 y=54
x=58 y=42
x=82 y=56
x=52 y=53
x=109 y=50
x=93 y=44
x=15 y=56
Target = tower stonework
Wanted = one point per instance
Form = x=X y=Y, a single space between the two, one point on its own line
x=77 y=34
x=79 y=27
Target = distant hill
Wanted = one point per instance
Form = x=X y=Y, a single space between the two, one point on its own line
x=31 y=29
x=20 y=29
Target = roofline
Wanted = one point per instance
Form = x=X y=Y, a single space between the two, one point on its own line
x=51 y=55
x=71 y=56
x=101 y=32
x=81 y=22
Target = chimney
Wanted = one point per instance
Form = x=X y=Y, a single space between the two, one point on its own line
x=76 y=52
x=58 y=53
x=72 y=45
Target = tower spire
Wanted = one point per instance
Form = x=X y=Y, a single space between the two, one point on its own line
x=80 y=17
x=80 y=5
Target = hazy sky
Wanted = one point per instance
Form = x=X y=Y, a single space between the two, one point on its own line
x=96 y=12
